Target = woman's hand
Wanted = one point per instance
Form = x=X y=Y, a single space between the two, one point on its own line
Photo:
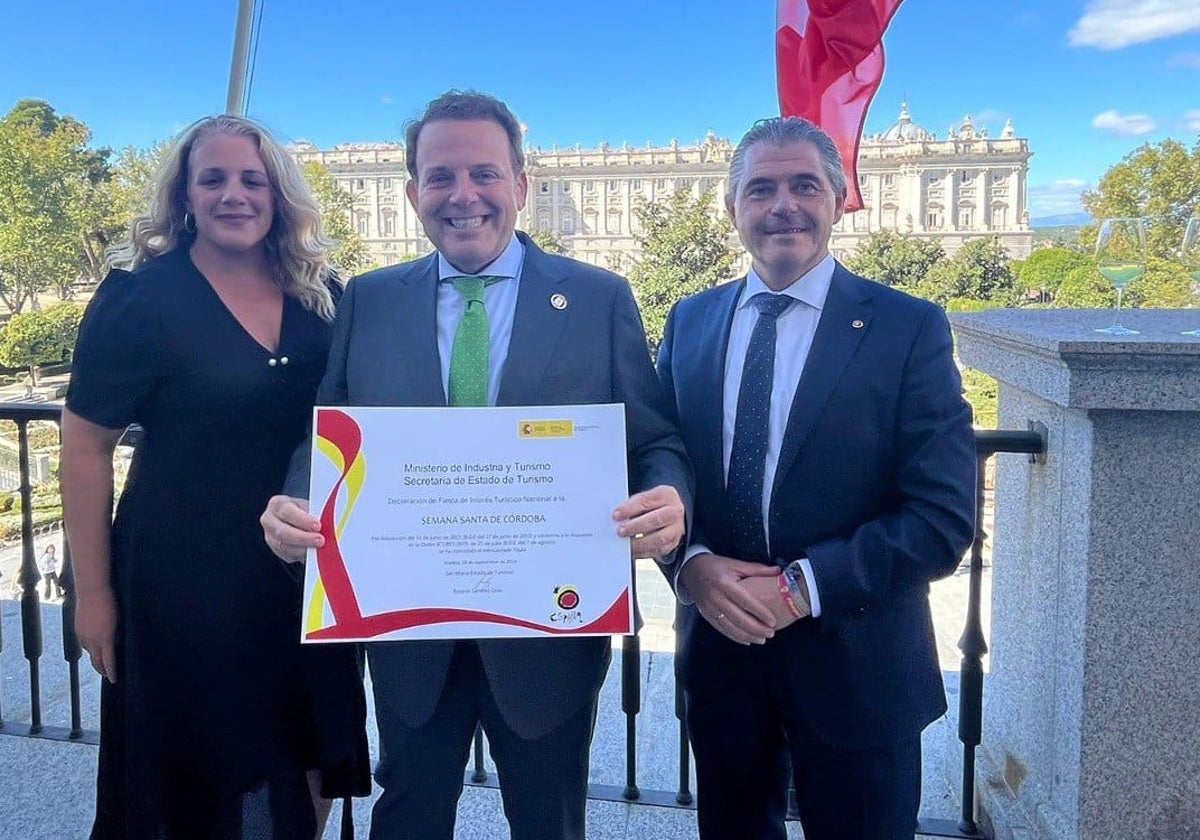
x=96 y=627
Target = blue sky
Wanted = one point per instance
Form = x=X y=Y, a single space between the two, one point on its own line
x=1085 y=80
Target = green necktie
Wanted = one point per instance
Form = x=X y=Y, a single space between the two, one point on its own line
x=472 y=343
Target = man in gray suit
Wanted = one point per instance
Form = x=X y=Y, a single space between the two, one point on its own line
x=558 y=332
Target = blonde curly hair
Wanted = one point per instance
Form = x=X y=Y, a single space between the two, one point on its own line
x=297 y=249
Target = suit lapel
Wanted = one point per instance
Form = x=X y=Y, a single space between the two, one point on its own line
x=416 y=339
x=847 y=305
x=537 y=328
x=709 y=361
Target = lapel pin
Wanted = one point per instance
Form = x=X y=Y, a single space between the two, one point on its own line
x=857 y=324
x=558 y=301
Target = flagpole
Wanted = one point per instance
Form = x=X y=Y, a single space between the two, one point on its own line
x=241 y=58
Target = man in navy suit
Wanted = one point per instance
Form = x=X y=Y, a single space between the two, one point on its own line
x=835 y=476
x=558 y=332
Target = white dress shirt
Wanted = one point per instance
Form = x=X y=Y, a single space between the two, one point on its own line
x=794 y=331
x=500 y=300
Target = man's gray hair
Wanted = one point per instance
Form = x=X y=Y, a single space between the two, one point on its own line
x=780 y=131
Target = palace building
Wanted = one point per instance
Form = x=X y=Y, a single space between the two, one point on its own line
x=959 y=187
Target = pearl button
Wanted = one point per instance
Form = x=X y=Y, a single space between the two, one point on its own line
x=272 y=362
x=284 y=360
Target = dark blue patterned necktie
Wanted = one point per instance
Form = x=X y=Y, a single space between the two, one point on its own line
x=748 y=457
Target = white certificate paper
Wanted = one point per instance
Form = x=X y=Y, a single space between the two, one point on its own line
x=467 y=523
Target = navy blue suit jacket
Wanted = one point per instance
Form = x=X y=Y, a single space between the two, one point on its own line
x=385 y=352
x=875 y=485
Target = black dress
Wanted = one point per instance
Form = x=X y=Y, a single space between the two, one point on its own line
x=217 y=711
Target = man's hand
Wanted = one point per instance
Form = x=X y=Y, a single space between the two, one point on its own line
x=96 y=627
x=289 y=529
x=717 y=585
x=654 y=518
x=766 y=589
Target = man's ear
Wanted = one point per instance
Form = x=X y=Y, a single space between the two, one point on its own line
x=410 y=190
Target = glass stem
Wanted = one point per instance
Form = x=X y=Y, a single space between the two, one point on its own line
x=1117 y=314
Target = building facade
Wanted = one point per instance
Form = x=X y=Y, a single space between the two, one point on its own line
x=960 y=187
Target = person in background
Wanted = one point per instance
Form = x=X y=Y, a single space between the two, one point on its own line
x=48 y=569
x=212 y=335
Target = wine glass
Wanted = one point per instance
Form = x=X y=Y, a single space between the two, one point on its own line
x=1121 y=257
x=1189 y=255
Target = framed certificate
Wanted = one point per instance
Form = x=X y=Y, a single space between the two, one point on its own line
x=453 y=523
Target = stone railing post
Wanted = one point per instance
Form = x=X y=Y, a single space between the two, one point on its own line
x=1092 y=707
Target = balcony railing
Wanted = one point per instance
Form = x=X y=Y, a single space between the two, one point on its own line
x=973 y=645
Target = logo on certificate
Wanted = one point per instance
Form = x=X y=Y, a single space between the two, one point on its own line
x=567 y=599
x=546 y=429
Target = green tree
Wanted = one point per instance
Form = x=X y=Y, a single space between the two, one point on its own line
x=351 y=255
x=39 y=338
x=1160 y=180
x=548 y=241
x=979 y=270
x=1085 y=287
x=50 y=211
x=896 y=259
x=684 y=249
x=1164 y=285
x=1044 y=270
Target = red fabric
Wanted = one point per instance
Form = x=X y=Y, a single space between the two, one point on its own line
x=829 y=61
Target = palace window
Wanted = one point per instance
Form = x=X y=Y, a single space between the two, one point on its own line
x=359 y=184
x=566 y=188
x=933 y=219
x=889 y=179
x=544 y=187
x=613 y=186
x=636 y=184
x=964 y=217
x=386 y=184
x=388 y=224
x=362 y=225
x=567 y=225
x=589 y=186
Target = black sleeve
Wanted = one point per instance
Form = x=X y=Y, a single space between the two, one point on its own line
x=118 y=356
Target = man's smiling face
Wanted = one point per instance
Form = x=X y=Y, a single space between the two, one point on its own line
x=784 y=210
x=466 y=192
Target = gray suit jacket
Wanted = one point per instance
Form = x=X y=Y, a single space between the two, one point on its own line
x=385 y=352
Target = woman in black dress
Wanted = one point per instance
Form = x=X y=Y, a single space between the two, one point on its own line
x=214 y=722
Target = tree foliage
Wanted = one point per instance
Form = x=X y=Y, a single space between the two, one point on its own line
x=980 y=269
x=52 y=210
x=1085 y=288
x=351 y=255
x=548 y=241
x=1164 y=285
x=1161 y=181
x=38 y=338
x=1044 y=270
x=684 y=249
x=895 y=259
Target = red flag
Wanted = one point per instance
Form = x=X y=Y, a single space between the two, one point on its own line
x=829 y=60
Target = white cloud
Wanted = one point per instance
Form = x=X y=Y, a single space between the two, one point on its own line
x=988 y=116
x=1191 y=121
x=1189 y=60
x=1124 y=125
x=1112 y=24
x=386 y=99
x=1056 y=198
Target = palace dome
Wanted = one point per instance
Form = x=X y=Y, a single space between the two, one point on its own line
x=905 y=129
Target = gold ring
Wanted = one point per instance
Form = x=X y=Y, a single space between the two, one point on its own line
x=720 y=616
x=638 y=536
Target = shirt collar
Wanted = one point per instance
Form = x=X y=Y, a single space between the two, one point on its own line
x=811 y=288
x=507 y=265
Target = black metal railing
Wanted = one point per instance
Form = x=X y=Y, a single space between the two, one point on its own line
x=28 y=577
x=973 y=645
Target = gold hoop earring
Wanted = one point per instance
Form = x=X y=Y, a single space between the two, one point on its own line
x=189 y=218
